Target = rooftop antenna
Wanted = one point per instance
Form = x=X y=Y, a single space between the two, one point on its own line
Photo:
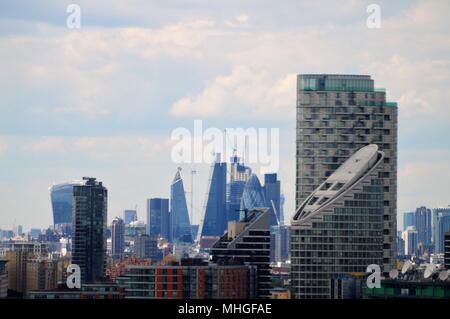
x=244 y=157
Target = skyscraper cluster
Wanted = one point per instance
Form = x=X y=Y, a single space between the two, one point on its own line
x=424 y=231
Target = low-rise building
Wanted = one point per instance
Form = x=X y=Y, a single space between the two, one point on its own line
x=189 y=280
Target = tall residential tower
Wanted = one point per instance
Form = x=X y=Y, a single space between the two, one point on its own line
x=90 y=203
x=336 y=116
x=338 y=229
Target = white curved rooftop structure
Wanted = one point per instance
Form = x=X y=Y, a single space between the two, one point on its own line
x=348 y=174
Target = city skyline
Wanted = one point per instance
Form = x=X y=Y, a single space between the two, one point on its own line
x=48 y=136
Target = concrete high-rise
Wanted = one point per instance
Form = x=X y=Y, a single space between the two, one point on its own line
x=90 y=202
x=336 y=116
x=117 y=238
x=338 y=229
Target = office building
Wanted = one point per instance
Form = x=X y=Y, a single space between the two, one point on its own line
x=117 y=238
x=3 y=279
x=134 y=229
x=282 y=243
x=61 y=196
x=41 y=274
x=441 y=225
x=18 y=230
x=272 y=195
x=410 y=237
x=146 y=247
x=248 y=242
x=338 y=229
x=282 y=201
x=129 y=216
x=447 y=250
x=215 y=216
x=188 y=280
x=16 y=268
x=87 y=291
x=336 y=116
x=346 y=287
x=239 y=175
x=400 y=245
x=90 y=202
x=17 y=255
x=423 y=227
x=181 y=226
x=253 y=196
x=158 y=218
x=409 y=219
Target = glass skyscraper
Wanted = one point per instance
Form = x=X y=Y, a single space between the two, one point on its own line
x=215 y=220
x=239 y=175
x=181 y=226
x=90 y=204
x=272 y=193
x=129 y=216
x=158 y=218
x=441 y=225
x=338 y=229
x=61 y=196
x=409 y=219
x=336 y=116
x=253 y=195
x=118 y=238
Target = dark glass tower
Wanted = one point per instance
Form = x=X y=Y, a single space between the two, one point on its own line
x=181 y=227
x=90 y=202
x=118 y=238
x=215 y=221
x=247 y=242
x=272 y=193
x=158 y=218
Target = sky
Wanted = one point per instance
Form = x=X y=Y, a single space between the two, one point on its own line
x=104 y=99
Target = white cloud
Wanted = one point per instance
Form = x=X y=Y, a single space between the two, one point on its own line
x=102 y=148
x=246 y=93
